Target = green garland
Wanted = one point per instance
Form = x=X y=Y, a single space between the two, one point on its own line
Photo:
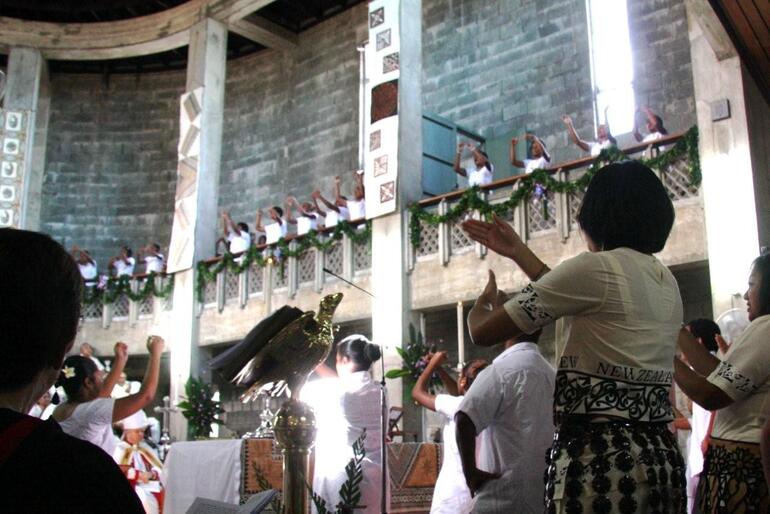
x=207 y=272
x=687 y=146
x=117 y=286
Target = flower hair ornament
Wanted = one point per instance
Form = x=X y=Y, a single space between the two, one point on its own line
x=68 y=372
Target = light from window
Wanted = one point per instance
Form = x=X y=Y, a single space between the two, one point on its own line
x=612 y=70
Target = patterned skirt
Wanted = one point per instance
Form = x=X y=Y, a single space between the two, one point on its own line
x=614 y=467
x=732 y=480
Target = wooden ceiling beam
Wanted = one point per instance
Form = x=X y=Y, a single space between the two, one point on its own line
x=265 y=33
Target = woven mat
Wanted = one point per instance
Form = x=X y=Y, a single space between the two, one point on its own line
x=265 y=455
x=414 y=469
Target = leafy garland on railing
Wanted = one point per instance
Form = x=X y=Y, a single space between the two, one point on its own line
x=116 y=286
x=207 y=272
x=687 y=146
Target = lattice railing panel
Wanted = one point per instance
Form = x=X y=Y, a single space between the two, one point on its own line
x=147 y=306
x=541 y=212
x=256 y=279
x=306 y=267
x=574 y=200
x=362 y=256
x=93 y=311
x=120 y=307
x=676 y=179
x=210 y=292
x=231 y=285
x=428 y=240
x=459 y=239
x=280 y=275
x=333 y=258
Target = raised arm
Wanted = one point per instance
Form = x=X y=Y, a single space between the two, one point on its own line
x=258 y=222
x=459 y=169
x=124 y=407
x=315 y=195
x=289 y=216
x=573 y=135
x=226 y=223
x=359 y=191
x=512 y=154
x=699 y=358
x=488 y=321
x=327 y=203
x=637 y=134
x=338 y=199
x=448 y=381
x=420 y=391
x=121 y=357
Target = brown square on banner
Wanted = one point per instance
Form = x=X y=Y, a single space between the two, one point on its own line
x=377 y=17
x=383 y=39
x=387 y=191
x=384 y=100
x=380 y=165
x=375 y=140
x=390 y=63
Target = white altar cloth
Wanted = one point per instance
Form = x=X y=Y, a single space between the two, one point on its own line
x=206 y=469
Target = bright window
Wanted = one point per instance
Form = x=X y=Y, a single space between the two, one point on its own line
x=612 y=70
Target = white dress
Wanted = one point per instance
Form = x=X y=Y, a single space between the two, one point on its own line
x=451 y=494
x=92 y=422
x=344 y=407
x=480 y=176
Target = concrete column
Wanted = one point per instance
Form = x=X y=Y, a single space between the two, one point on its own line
x=195 y=219
x=728 y=183
x=27 y=93
x=391 y=306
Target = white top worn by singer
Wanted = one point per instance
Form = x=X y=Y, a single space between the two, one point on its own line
x=451 y=494
x=344 y=407
x=511 y=405
x=92 y=422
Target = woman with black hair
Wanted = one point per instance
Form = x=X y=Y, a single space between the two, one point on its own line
x=538 y=156
x=347 y=403
x=604 y=138
x=736 y=388
x=620 y=311
x=90 y=411
x=655 y=128
x=482 y=171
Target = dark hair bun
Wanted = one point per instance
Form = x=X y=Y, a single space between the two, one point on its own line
x=373 y=352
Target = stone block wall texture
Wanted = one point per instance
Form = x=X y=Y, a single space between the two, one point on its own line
x=110 y=172
x=291 y=118
x=516 y=65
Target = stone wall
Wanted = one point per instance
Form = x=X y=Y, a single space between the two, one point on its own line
x=110 y=169
x=505 y=67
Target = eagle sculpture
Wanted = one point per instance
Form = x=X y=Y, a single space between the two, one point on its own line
x=281 y=351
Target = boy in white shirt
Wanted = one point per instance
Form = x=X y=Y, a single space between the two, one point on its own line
x=123 y=264
x=273 y=231
x=237 y=236
x=154 y=261
x=308 y=218
x=451 y=494
x=537 y=154
x=342 y=208
x=483 y=171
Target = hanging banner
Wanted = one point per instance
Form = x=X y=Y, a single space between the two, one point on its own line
x=182 y=248
x=14 y=155
x=381 y=101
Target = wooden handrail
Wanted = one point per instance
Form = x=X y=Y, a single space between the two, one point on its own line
x=565 y=166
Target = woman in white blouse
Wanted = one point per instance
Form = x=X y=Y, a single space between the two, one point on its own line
x=537 y=154
x=620 y=313
x=735 y=388
x=347 y=403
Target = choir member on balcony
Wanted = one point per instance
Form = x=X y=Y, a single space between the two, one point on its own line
x=736 y=387
x=347 y=402
x=621 y=311
x=509 y=411
x=236 y=236
x=275 y=230
x=654 y=125
x=537 y=154
x=154 y=261
x=90 y=411
x=604 y=138
x=342 y=208
x=451 y=494
x=308 y=218
x=122 y=265
x=41 y=468
x=86 y=265
x=482 y=172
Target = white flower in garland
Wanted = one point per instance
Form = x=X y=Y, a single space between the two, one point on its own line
x=69 y=372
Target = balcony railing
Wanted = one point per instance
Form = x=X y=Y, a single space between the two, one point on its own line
x=132 y=298
x=545 y=202
x=294 y=264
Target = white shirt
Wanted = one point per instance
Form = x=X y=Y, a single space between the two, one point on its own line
x=344 y=407
x=356 y=209
x=154 y=263
x=124 y=267
x=531 y=165
x=744 y=375
x=450 y=495
x=88 y=271
x=596 y=147
x=38 y=412
x=92 y=422
x=239 y=242
x=652 y=136
x=511 y=403
x=480 y=176
x=333 y=217
x=306 y=223
x=275 y=231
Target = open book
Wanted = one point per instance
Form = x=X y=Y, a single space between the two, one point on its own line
x=254 y=505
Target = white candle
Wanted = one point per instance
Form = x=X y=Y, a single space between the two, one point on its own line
x=460 y=335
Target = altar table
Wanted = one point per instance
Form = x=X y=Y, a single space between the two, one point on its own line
x=228 y=470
